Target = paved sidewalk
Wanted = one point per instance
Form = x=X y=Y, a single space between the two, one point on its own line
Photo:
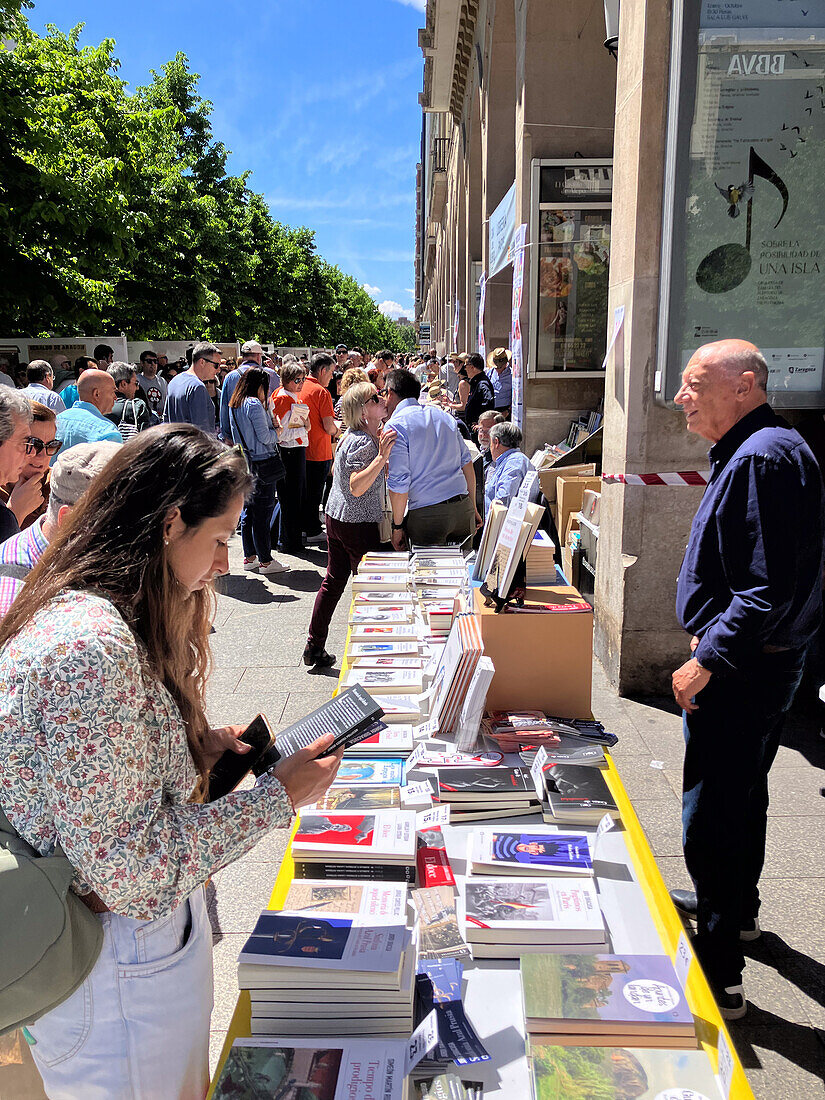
x=260 y=632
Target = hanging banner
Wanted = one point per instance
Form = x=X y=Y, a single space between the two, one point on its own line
x=502 y=228
x=517 y=363
x=455 y=326
x=482 y=297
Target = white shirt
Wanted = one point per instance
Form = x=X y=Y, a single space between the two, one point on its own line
x=47 y=397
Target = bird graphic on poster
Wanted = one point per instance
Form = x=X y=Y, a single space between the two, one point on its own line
x=784 y=148
x=733 y=195
x=809 y=94
x=794 y=155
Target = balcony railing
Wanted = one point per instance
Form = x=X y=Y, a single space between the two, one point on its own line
x=440 y=154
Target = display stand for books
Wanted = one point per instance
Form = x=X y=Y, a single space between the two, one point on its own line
x=640 y=918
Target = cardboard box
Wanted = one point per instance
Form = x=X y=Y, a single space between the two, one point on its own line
x=569 y=496
x=548 y=478
x=542 y=661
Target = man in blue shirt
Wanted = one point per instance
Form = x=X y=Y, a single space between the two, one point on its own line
x=509 y=467
x=430 y=472
x=187 y=399
x=749 y=594
x=501 y=379
x=253 y=355
x=40 y=378
x=85 y=421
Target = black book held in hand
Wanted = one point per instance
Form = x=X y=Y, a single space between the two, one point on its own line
x=352 y=716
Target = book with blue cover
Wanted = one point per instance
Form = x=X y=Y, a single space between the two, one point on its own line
x=628 y=995
x=539 y=851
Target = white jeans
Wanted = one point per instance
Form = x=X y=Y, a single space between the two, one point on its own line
x=138 y=1027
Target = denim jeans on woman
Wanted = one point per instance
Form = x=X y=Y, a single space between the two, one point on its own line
x=256 y=521
x=731 y=741
x=138 y=1027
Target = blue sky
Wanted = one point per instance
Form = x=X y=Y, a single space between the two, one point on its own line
x=319 y=98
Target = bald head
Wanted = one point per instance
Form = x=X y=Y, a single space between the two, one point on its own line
x=97 y=387
x=722 y=382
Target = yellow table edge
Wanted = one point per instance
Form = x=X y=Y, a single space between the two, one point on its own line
x=709 y=1023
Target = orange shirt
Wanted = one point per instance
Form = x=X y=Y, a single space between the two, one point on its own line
x=319 y=401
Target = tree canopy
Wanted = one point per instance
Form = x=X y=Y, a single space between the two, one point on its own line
x=117 y=212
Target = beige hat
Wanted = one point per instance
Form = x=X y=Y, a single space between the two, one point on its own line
x=251 y=347
x=434 y=390
x=75 y=470
x=498 y=357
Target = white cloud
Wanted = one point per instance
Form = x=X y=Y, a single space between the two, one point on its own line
x=393 y=309
x=372 y=290
x=419 y=5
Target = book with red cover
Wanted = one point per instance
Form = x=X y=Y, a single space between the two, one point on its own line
x=431 y=861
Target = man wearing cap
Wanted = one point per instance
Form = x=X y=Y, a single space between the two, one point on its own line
x=501 y=379
x=252 y=356
x=71 y=476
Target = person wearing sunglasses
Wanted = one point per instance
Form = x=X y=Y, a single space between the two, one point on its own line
x=72 y=474
x=187 y=399
x=29 y=495
x=153 y=384
x=15 y=431
x=353 y=509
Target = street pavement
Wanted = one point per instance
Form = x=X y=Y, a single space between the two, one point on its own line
x=260 y=631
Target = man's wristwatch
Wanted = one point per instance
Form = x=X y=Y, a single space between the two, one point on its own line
x=398 y=527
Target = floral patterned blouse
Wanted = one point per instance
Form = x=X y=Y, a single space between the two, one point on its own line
x=93 y=755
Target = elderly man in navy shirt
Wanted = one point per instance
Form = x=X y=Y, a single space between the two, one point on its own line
x=749 y=593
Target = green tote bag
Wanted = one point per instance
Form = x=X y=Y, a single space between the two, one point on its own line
x=49 y=940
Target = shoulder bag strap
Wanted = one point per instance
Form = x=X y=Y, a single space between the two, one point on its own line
x=243 y=445
x=16 y=572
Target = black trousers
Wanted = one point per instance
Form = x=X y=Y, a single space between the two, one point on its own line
x=316 y=476
x=292 y=496
x=731 y=741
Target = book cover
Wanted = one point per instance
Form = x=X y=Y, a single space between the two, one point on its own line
x=311 y=1070
x=385 y=836
x=439 y=930
x=355 y=799
x=400 y=708
x=383 y=649
x=322 y=942
x=540 y=851
x=485 y=784
x=619 y=1073
x=389 y=681
x=527 y=910
x=577 y=787
x=347 y=715
x=389 y=661
x=604 y=993
x=368 y=771
x=380 y=613
x=313 y=868
x=383 y=901
x=431 y=861
x=371 y=631
x=569 y=750
x=391 y=739
x=397 y=597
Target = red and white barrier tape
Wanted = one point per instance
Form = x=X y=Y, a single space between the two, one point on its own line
x=683 y=477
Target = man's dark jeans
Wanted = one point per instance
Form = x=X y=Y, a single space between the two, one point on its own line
x=316 y=476
x=291 y=494
x=346 y=545
x=731 y=741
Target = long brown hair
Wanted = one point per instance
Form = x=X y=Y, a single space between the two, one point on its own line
x=250 y=384
x=112 y=543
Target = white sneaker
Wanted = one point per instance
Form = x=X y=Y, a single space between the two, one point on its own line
x=274 y=566
x=250 y=564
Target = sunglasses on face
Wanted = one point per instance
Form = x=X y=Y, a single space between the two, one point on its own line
x=147 y=360
x=34 y=446
x=376 y=398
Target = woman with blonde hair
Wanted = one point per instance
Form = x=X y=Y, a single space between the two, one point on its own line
x=105 y=750
x=354 y=507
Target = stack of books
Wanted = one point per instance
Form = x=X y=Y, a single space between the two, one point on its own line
x=569 y=749
x=541 y=850
x=508 y=917
x=386 y=681
x=489 y=537
x=329 y=974
x=485 y=793
x=455 y=670
x=540 y=560
x=383 y=614
x=379 y=845
x=616 y=1073
x=608 y=1000
x=575 y=794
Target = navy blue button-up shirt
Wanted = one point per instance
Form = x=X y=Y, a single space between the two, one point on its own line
x=752 y=572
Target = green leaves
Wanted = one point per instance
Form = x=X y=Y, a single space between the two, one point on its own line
x=117 y=213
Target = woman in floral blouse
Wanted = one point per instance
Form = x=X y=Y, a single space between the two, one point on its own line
x=105 y=749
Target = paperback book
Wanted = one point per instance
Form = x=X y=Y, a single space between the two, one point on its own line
x=576 y=794
x=369 y=771
x=391 y=740
x=539 y=851
x=386 y=681
x=354 y=799
x=382 y=901
x=568 y=749
x=632 y=996
x=383 y=649
x=365 y=631
x=616 y=1073
x=438 y=926
x=350 y=715
x=486 y=786
x=386 y=836
x=524 y=911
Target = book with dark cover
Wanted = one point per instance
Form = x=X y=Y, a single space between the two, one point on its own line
x=627 y=995
x=576 y=793
x=351 y=715
x=569 y=750
x=324 y=948
x=510 y=784
x=367 y=872
x=617 y=1073
x=448 y=1086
